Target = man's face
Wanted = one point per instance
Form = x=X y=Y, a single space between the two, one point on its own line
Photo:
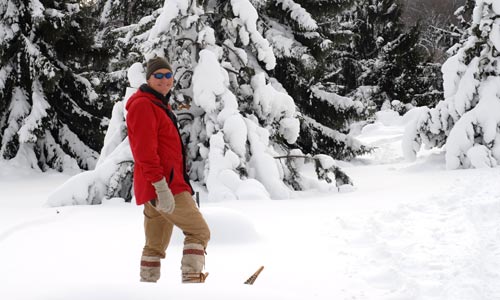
x=161 y=85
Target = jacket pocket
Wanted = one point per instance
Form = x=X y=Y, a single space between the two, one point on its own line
x=150 y=211
x=171 y=176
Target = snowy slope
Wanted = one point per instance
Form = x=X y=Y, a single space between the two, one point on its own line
x=408 y=231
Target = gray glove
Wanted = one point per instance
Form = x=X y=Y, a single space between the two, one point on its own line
x=165 y=202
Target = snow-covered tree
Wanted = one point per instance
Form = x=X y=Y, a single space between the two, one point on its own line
x=305 y=36
x=349 y=58
x=119 y=13
x=112 y=18
x=467 y=121
x=237 y=121
x=388 y=68
x=50 y=116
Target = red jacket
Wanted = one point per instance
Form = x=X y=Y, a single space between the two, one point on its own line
x=156 y=145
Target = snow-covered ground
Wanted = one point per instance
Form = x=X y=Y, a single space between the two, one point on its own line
x=408 y=231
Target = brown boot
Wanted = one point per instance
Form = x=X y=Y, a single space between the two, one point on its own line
x=194 y=277
x=150 y=268
x=193 y=261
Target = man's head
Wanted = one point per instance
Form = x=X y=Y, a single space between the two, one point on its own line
x=159 y=75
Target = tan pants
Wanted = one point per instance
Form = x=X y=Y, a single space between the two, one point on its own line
x=158 y=226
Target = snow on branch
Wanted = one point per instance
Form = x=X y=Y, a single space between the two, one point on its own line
x=337 y=101
x=247 y=13
x=275 y=106
x=467 y=121
x=54 y=155
x=19 y=108
x=38 y=111
x=85 y=155
x=92 y=187
x=112 y=176
x=210 y=81
x=171 y=10
x=284 y=43
x=4 y=74
x=227 y=131
x=464 y=147
x=299 y=14
x=334 y=134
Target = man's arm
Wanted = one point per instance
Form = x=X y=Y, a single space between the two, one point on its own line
x=143 y=136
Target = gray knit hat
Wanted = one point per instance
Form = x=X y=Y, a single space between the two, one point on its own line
x=156 y=64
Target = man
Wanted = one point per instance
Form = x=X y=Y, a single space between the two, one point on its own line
x=161 y=183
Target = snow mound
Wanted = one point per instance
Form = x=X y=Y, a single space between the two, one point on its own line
x=385 y=136
x=227 y=226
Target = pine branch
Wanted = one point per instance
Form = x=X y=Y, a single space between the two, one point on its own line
x=454 y=34
x=292 y=156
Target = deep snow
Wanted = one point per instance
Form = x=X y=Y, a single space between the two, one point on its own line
x=408 y=231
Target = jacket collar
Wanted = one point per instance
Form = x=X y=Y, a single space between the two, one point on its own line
x=147 y=89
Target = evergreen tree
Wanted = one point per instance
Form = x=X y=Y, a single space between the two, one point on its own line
x=464 y=14
x=112 y=18
x=388 y=59
x=240 y=124
x=361 y=50
x=50 y=115
x=467 y=121
x=116 y=14
x=309 y=42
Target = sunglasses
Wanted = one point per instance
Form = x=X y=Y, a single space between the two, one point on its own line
x=167 y=75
